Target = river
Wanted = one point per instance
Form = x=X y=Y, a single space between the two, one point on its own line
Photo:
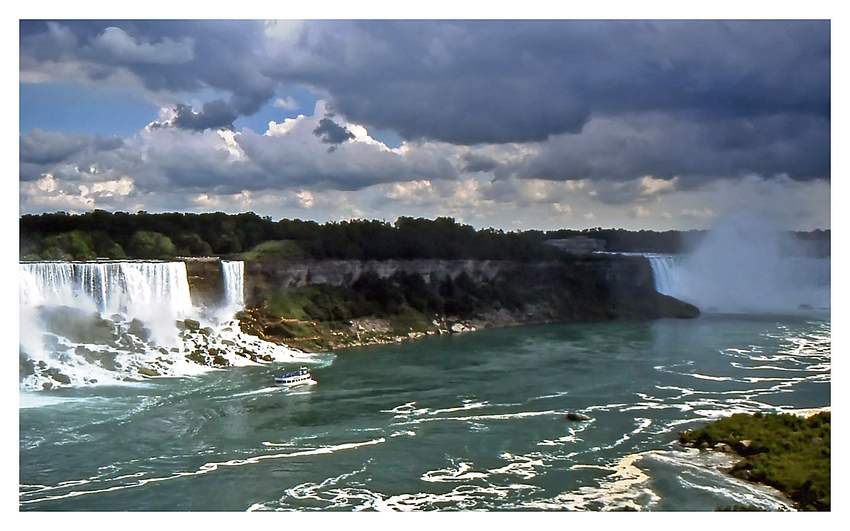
x=455 y=422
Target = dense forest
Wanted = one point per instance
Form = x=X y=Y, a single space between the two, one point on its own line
x=101 y=234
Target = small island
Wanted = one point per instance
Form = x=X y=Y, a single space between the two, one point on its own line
x=785 y=451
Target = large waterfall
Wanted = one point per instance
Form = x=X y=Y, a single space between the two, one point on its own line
x=664 y=269
x=112 y=321
x=132 y=288
x=742 y=283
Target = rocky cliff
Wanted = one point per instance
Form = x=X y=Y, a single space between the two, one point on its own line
x=328 y=304
x=206 y=284
x=590 y=288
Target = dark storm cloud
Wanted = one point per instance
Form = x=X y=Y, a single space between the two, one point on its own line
x=664 y=146
x=475 y=163
x=515 y=81
x=749 y=96
x=214 y=115
x=332 y=133
x=47 y=147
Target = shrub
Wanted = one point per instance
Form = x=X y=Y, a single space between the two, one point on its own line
x=785 y=451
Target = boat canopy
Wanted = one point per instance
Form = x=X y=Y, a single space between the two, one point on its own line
x=300 y=372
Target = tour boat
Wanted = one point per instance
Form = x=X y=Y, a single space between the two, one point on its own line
x=291 y=379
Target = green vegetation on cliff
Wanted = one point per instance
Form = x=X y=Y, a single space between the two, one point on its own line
x=785 y=451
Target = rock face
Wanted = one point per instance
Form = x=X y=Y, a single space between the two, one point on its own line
x=206 y=284
x=590 y=288
x=295 y=273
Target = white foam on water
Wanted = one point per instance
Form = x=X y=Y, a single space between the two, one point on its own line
x=206 y=468
x=261 y=391
x=27 y=399
x=295 y=440
x=356 y=499
x=405 y=420
x=544 y=397
x=625 y=487
x=312 y=491
x=706 y=471
x=460 y=471
x=467 y=405
x=520 y=465
x=643 y=423
x=712 y=378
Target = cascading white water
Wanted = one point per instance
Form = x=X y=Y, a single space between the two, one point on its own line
x=155 y=292
x=664 y=269
x=110 y=287
x=234 y=284
x=105 y=322
x=743 y=282
x=41 y=282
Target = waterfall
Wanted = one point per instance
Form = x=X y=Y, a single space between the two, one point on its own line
x=664 y=271
x=85 y=323
x=743 y=282
x=131 y=288
x=234 y=284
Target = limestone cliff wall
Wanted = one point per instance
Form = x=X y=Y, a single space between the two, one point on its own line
x=588 y=289
x=294 y=273
x=206 y=282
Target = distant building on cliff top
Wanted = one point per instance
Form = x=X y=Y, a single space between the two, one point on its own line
x=578 y=244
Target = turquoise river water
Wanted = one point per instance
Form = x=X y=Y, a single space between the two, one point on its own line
x=454 y=422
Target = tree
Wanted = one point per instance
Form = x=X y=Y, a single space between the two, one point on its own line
x=146 y=244
x=76 y=244
x=190 y=244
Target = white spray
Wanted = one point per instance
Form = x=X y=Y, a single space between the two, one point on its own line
x=105 y=322
x=744 y=264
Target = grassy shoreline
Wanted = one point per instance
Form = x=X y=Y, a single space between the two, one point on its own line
x=788 y=452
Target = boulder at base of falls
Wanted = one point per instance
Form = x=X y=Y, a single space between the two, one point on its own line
x=138 y=329
x=27 y=366
x=58 y=376
x=79 y=326
x=188 y=324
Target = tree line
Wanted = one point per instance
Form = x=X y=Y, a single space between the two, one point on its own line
x=116 y=235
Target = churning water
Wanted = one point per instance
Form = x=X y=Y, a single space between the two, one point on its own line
x=94 y=323
x=455 y=422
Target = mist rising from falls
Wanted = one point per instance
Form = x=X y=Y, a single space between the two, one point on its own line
x=154 y=292
x=745 y=266
x=107 y=322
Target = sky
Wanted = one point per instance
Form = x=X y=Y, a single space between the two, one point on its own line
x=513 y=124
